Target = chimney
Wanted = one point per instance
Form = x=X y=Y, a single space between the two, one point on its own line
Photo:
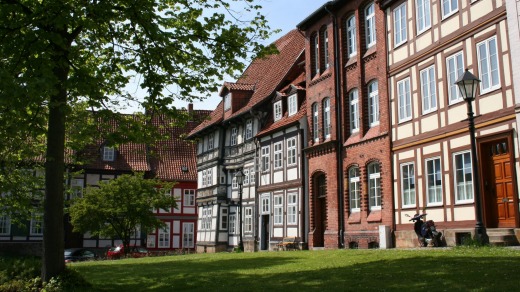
x=190 y=108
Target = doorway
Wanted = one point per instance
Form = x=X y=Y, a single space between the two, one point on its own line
x=320 y=210
x=264 y=244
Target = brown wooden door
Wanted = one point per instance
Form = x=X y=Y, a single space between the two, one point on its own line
x=503 y=184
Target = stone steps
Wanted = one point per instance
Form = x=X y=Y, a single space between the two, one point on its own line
x=502 y=236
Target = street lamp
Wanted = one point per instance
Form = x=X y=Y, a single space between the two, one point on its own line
x=239 y=175
x=468 y=84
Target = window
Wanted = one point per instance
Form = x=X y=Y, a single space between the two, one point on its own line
x=246 y=176
x=325 y=37
x=206 y=222
x=36 y=224
x=278 y=210
x=428 y=91
x=204 y=181
x=164 y=236
x=108 y=153
x=292 y=101
x=189 y=197
x=326 y=117
x=423 y=15
x=265 y=158
x=354 y=189
x=249 y=129
x=292 y=208
x=209 y=177
x=351 y=36
x=374 y=186
x=278 y=153
x=211 y=141
x=234 y=136
x=232 y=224
x=76 y=188
x=188 y=236
x=405 y=100
x=373 y=104
x=227 y=101
x=315 y=125
x=291 y=151
x=277 y=110
x=449 y=7
x=316 y=55
x=408 y=184
x=400 y=24
x=370 y=25
x=434 y=181
x=234 y=181
x=248 y=226
x=454 y=68
x=354 y=110
x=463 y=177
x=224 y=219
x=488 y=65
x=252 y=175
x=5 y=225
x=265 y=204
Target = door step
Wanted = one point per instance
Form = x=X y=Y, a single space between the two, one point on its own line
x=502 y=236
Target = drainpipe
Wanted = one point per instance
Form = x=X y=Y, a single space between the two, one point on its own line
x=339 y=134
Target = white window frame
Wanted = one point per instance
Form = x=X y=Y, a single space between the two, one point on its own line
x=452 y=7
x=351 y=36
x=234 y=181
x=265 y=204
x=211 y=141
x=292 y=208
x=353 y=97
x=325 y=49
x=252 y=175
x=234 y=136
x=246 y=176
x=265 y=158
x=423 y=15
x=278 y=155
x=277 y=109
x=163 y=236
x=224 y=218
x=467 y=196
x=5 y=225
x=370 y=25
x=248 y=219
x=291 y=151
x=408 y=185
x=76 y=188
x=488 y=74
x=454 y=69
x=249 y=129
x=204 y=180
x=232 y=223
x=354 y=189
x=315 y=122
x=227 y=101
x=316 y=48
x=374 y=186
x=36 y=225
x=434 y=194
x=189 y=197
x=109 y=153
x=373 y=103
x=188 y=235
x=209 y=177
x=404 y=100
x=326 y=118
x=278 y=209
x=292 y=104
x=428 y=90
x=400 y=29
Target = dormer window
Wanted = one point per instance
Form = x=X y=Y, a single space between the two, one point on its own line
x=277 y=110
x=108 y=153
x=292 y=102
x=227 y=101
x=249 y=129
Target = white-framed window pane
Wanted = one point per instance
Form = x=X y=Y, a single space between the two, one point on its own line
x=5 y=225
x=488 y=65
x=449 y=7
x=164 y=236
x=428 y=91
x=374 y=186
x=189 y=197
x=400 y=24
x=227 y=101
x=265 y=204
x=76 y=188
x=315 y=124
x=188 y=235
x=278 y=210
x=351 y=36
x=423 y=15
x=234 y=181
x=354 y=189
x=265 y=158
x=252 y=175
x=434 y=181
x=292 y=208
x=354 y=110
x=108 y=153
x=277 y=110
x=293 y=104
x=463 y=176
x=223 y=219
x=405 y=100
x=455 y=68
x=246 y=176
x=326 y=117
x=370 y=25
x=234 y=136
x=36 y=224
x=248 y=224
x=211 y=141
x=325 y=49
x=291 y=151
x=408 y=184
x=249 y=129
x=232 y=224
x=316 y=47
x=373 y=103
x=278 y=155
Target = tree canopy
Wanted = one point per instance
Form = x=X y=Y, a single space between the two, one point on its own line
x=56 y=54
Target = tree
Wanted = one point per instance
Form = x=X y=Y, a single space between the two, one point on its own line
x=120 y=207
x=56 y=53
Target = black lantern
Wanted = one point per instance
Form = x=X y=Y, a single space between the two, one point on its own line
x=239 y=176
x=468 y=84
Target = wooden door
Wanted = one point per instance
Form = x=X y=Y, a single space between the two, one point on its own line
x=503 y=184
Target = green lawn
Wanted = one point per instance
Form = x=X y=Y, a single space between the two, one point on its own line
x=467 y=269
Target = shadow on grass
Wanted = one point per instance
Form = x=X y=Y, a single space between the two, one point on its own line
x=284 y=272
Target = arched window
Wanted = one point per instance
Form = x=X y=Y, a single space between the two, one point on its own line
x=315 y=50
x=351 y=36
x=370 y=25
x=354 y=110
x=354 y=189
x=326 y=118
x=325 y=48
x=315 y=125
x=373 y=104
x=374 y=186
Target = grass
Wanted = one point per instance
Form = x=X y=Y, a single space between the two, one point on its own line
x=458 y=269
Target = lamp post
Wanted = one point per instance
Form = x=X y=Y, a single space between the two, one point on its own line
x=239 y=175
x=468 y=84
